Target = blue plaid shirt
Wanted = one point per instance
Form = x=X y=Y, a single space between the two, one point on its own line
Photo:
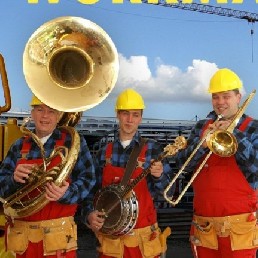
x=82 y=177
x=246 y=155
x=120 y=156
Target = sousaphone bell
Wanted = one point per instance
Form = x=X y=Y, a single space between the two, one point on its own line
x=71 y=64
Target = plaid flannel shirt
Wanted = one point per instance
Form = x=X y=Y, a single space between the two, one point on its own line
x=246 y=155
x=82 y=176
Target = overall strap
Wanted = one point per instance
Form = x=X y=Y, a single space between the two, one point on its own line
x=243 y=126
x=207 y=123
x=131 y=164
x=109 y=153
x=25 y=146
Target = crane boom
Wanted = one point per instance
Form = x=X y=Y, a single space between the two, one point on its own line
x=204 y=8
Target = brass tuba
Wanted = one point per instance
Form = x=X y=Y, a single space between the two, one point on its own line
x=70 y=64
x=221 y=142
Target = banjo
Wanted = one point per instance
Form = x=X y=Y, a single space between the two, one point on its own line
x=120 y=203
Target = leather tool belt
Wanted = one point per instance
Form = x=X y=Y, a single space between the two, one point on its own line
x=57 y=234
x=242 y=230
x=148 y=239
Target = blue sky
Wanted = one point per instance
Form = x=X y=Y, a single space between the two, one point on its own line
x=166 y=54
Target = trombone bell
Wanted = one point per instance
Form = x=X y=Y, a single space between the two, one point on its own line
x=222 y=143
x=70 y=63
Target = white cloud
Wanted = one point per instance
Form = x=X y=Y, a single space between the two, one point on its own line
x=133 y=69
x=168 y=83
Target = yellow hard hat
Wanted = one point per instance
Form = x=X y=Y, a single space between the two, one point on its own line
x=224 y=80
x=129 y=99
x=35 y=101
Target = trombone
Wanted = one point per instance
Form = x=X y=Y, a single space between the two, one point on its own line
x=221 y=142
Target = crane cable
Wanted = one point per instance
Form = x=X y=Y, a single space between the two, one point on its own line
x=252 y=42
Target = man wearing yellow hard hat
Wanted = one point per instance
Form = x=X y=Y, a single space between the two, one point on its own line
x=225 y=190
x=46 y=230
x=137 y=233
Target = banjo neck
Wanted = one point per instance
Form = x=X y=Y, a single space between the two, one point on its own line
x=169 y=150
x=128 y=188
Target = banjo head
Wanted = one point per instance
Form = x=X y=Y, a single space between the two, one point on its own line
x=121 y=212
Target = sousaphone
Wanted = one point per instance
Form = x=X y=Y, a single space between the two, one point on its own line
x=70 y=64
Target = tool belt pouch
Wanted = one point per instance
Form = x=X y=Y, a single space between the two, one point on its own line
x=110 y=246
x=59 y=237
x=150 y=247
x=244 y=235
x=17 y=239
x=131 y=240
x=206 y=236
x=163 y=244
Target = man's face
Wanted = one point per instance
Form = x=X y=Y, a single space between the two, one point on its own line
x=129 y=121
x=45 y=119
x=226 y=103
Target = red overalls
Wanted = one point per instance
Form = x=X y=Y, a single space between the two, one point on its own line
x=52 y=210
x=147 y=212
x=221 y=190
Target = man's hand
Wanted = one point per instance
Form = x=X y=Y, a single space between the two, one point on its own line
x=156 y=169
x=54 y=192
x=96 y=220
x=22 y=172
